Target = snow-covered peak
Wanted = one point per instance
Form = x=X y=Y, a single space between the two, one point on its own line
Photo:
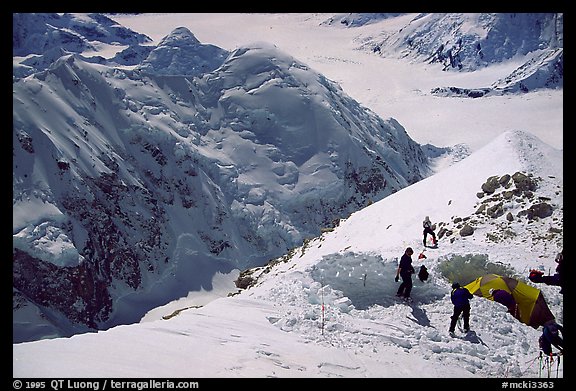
x=180 y=53
x=179 y=37
x=279 y=101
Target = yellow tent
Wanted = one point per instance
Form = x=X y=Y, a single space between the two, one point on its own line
x=532 y=308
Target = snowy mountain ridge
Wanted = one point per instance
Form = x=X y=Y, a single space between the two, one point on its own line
x=469 y=41
x=36 y=37
x=507 y=215
x=327 y=309
x=472 y=41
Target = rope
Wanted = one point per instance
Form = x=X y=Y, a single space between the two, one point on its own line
x=531 y=362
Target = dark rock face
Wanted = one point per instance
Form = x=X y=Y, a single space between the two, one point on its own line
x=86 y=299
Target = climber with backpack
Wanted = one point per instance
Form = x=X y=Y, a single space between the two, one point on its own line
x=460 y=297
x=429 y=229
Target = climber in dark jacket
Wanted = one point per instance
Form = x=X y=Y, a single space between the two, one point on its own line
x=405 y=270
x=551 y=337
x=460 y=297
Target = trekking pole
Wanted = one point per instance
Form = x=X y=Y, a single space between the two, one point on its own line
x=557 y=366
x=322 y=310
x=540 y=364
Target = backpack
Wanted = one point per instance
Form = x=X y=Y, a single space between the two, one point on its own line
x=545 y=346
x=423 y=274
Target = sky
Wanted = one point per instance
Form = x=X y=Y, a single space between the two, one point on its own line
x=328 y=311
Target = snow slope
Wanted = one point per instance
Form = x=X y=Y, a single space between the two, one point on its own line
x=278 y=328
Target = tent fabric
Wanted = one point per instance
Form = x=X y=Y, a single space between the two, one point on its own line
x=532 y=308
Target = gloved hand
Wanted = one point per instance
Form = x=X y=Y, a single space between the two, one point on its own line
x=396 y=279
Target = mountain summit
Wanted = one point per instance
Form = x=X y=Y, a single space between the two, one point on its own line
x=181 y=54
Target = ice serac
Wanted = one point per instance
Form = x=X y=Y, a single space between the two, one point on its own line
x=144 y=185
